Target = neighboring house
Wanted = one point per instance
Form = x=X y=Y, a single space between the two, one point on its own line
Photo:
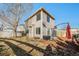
x=7 y=32
x=40 y=24
x=20 y=30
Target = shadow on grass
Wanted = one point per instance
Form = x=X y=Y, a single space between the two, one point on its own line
x=36 y=48
x=25 y=43
x=73 y=46
x=30 y=45
x=18 y=51
x=44 y=51
x=70 y=45
x=2 y=45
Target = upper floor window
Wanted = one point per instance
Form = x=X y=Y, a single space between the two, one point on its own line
x=38 y=16
x=48 y=19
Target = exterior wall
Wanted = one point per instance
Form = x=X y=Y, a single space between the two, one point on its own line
x=31 y=27
x=52 y=23
x=49 y=25
x=33 y=24
x=45 y=22
x=38 y=24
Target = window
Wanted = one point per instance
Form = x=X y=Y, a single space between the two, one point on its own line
x=37 y=30
x=48 y=19
x=38 y=16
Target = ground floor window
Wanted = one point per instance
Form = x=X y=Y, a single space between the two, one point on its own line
x=38 y=30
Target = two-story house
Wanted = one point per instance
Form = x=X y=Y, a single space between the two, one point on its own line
x=40 y=24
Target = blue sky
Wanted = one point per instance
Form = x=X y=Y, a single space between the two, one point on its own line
x=63 y=12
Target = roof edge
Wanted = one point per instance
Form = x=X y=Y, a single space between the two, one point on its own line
x=41 y=9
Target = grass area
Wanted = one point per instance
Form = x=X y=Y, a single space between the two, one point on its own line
x=59 y=47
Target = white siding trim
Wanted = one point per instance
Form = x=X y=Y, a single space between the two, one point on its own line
x=41 y=24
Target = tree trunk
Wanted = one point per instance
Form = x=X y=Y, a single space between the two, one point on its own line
x=15 y=32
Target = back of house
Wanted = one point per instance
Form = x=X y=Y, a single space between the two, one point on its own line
x=40 y=24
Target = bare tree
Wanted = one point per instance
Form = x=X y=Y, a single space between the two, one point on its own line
x=14 y=13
